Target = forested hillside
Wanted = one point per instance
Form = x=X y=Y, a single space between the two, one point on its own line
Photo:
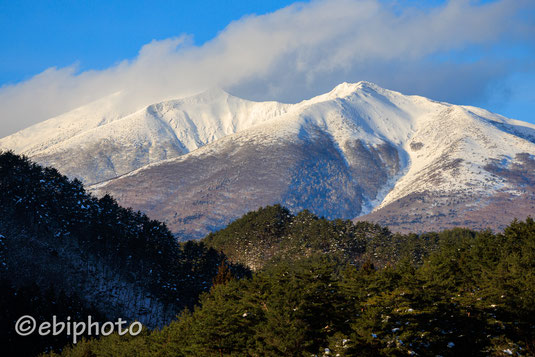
x=272 y=234
x=474 y=295
x=63 y=250
x=319 y=287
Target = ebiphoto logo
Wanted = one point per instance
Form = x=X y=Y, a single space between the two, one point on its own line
x=26 y=325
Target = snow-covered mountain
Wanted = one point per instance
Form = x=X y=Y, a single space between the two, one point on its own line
x=199 y=162
x=94 y=143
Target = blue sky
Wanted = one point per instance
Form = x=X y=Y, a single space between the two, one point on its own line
x=98 y=33
x=62 y=54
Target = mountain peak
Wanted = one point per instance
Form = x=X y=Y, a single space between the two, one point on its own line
x=368 y=85
x=343 y=153
x=346 y=89
x=212 y=93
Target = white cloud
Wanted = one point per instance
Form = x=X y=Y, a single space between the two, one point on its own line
x=291 y=54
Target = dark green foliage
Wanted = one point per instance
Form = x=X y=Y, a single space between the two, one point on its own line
x=40 y=304
x=52 y=232
x=272 y=234
x=473 y=294
x=44 y=202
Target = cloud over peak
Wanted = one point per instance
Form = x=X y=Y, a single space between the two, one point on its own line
x=296 y=52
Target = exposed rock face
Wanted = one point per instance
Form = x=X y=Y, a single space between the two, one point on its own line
x=358 y=151
x=201 y=192
x=431 y=211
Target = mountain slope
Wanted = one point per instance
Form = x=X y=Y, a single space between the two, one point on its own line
x=405 y=161
x=118 y=262
x=341 y=155
x=107 y=145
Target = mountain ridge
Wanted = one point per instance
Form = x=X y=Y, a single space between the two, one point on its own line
x=353 y=151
